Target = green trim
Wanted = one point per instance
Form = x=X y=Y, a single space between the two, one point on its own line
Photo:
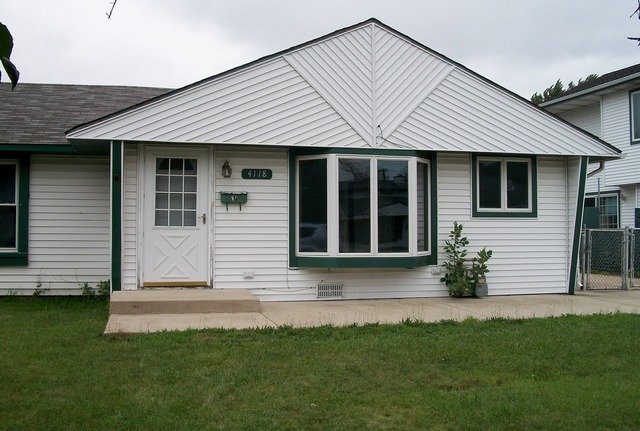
x=507 y=213
x=363 y=262
x=116 y=215
x=41 y=149
x=14 y=259
x=365 y=152
x=21 y=256
x=577 y=227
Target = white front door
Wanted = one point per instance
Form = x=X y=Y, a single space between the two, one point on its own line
x=176 y=218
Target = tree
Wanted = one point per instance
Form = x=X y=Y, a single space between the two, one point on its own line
x=636 y=12
x=553 y=91
x=558 y=89
x=6 y=46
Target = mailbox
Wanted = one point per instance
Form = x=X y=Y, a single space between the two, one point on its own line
x=233 y=198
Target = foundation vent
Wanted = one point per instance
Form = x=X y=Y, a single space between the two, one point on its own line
x=330 y=290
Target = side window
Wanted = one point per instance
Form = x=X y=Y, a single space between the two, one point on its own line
x=8 y=206
x=504 y=187
x=14 y=211
x=634 y=110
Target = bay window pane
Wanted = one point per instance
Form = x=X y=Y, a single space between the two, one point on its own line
x=393 y=206
x=422 y=196
x=312 y=197
x=517 y=185
x=489 y=193
x=354 y=206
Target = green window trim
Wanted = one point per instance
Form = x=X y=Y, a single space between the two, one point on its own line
x=531 y=212
x=20 y=257
x=117 y=149
x=379 y=261
x=577 y=226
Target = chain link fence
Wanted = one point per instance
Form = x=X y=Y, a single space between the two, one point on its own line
x=610 y=259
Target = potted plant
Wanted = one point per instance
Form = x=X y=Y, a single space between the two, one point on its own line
x=462 y=280
x=479 y=270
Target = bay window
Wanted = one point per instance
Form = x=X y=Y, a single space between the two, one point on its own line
x=354 y=210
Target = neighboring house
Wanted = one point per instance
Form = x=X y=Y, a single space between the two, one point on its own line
x=609 y=108
x=335 y=168
x=54 y=200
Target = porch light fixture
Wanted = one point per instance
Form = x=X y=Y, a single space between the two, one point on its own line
x=226 y=169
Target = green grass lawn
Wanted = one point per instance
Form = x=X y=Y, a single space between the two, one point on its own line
x=58 y=372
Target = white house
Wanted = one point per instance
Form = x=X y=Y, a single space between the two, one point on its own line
x=609 y=108
x=335 y=168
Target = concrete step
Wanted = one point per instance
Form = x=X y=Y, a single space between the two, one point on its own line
x=183 y=301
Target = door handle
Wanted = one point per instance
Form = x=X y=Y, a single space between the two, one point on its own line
x=204 y=218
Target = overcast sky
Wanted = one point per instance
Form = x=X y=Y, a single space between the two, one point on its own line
x=523 y=45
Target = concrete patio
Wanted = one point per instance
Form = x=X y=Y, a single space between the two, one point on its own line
x=359 y=312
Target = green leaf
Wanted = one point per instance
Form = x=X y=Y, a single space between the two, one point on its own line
x=6 y=41
x=6 y=46
x=12 y=72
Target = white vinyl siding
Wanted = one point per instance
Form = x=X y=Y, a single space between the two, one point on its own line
x=540 y=266
x=69 y=241
x=252 y=239
x=588 y=118
x=131 y=228
x=616 y=131
x=368 y=87
x=529 y=255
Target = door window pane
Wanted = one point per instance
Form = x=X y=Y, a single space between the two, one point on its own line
x=393 y=206
x=354 y=207
x=312 y=226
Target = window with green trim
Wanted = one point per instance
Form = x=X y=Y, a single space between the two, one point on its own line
x=8 y=206
x=504 y=186
x=14 y=183
x=362 y=206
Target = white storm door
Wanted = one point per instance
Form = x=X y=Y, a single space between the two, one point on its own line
x=176 y=219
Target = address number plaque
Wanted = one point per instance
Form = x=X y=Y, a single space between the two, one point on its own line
x=257 y=174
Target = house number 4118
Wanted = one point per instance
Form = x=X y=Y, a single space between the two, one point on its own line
x=257 y=174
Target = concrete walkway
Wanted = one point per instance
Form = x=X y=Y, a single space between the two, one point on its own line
x=360 y=312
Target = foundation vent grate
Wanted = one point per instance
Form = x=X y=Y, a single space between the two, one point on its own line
x=330 y=290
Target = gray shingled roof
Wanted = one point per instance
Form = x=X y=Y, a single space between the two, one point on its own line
x=41 y=113
x=611 y=77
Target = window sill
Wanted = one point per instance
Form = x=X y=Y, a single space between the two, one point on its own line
x=504 y=214
x=362 y=262
x=14 y=259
